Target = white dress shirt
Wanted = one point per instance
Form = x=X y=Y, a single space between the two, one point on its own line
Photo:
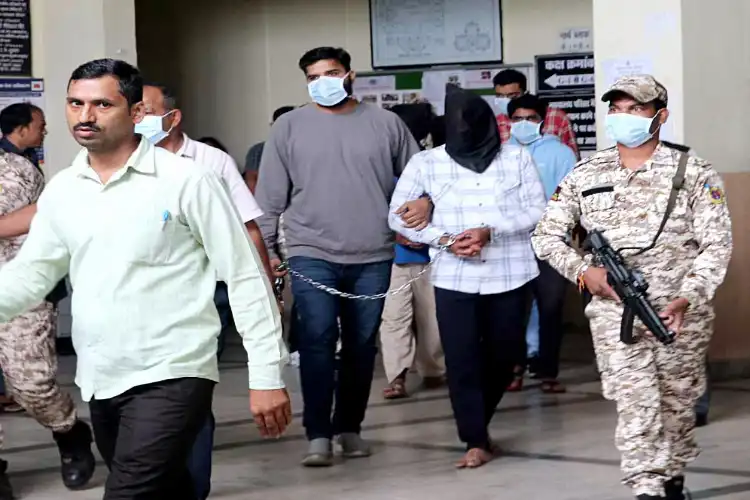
x=226 y=168
x=141 y=250
x=508 y=198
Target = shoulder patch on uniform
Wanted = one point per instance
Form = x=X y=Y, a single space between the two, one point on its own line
x=556 y=194
x=715 y=194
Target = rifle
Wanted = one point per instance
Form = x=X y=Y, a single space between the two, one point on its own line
x=632 y=289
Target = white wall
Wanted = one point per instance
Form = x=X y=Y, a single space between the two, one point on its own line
x=647 y=33
x=717 y=81
x=234 y=61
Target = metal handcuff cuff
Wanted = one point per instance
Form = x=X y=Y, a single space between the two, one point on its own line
x=452 y=238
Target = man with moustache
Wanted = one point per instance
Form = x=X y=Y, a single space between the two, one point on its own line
x=142 y=233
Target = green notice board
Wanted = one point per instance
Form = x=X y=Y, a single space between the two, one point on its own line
x=388 y=88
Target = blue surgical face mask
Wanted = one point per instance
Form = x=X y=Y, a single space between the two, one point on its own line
x=526 y=131
x=328 y=91
x=630 y=130
x=152 y=128
x=501 y=105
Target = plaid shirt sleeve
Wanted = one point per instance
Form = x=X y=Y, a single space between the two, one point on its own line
x=557 y=123
x=532 y=202
x=411 y=186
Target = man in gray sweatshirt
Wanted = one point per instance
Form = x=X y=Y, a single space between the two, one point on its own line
x=329 y=167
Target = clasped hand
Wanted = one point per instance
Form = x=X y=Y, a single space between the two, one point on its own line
x=470 y=242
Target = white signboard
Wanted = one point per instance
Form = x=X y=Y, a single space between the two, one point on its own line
x=576 y=40
x=433 y=32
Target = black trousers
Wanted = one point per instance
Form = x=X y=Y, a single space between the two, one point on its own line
x=145 y=436
x=483 y=337
x=549 y=291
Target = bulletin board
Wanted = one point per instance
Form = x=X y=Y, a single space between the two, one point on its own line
x=388 y=88
x=410 y=33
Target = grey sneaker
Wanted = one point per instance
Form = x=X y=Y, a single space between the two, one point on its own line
x=319 y=453
x=353 y=446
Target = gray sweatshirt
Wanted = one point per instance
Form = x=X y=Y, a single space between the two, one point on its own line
x=332 y=177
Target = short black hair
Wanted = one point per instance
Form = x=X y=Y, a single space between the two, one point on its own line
x=509 y=76
x=19 y=114
x=170 y=97
x=324 y=53
x=528 y=101
x=131 y=81
x=282 y=111
x=418 y=118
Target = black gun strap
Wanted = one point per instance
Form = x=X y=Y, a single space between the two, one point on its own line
x=677 y=181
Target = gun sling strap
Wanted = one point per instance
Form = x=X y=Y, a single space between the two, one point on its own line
x=677 y=181
x=628 y=317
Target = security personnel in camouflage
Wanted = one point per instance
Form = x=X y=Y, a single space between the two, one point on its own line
x=27 y=346
x=624 y=192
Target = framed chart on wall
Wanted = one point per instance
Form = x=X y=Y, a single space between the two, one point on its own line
x=413 y=33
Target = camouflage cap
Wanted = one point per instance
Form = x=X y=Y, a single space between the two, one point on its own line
x=642 y=88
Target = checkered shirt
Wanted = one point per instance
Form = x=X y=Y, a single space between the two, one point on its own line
x=556 y=123
x=508 y=198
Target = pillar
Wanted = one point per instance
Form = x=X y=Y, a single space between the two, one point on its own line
x=701 y=52
x=66 y=34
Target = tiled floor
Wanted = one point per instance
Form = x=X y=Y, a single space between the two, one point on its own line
x=556 y=447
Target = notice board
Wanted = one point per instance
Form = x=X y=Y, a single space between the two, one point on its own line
x=15 y=38
x=388 y=88
x=566 y=81
x=13 y=90
x=410 y=33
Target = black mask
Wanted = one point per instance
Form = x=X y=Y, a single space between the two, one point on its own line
x=472 y=138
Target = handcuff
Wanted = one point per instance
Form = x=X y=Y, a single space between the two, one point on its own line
x=452 y=238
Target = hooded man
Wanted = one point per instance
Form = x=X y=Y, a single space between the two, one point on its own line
x=487 y=199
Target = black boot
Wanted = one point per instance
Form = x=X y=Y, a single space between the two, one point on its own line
x=648 y=497
x=77 y=460
x=675 y=489
x=6 y=491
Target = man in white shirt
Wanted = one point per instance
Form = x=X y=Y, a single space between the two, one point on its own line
x=142 y=233
x=162 y=125
x=487 y=200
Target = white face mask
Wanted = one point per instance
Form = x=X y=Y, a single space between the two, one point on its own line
x=152 y=128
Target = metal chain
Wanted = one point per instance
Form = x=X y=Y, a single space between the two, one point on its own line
x=345 y=295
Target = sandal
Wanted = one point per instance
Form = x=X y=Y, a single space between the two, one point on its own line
x=396 y=390
x=517 y=384
x=474 y=458
x=552 y=387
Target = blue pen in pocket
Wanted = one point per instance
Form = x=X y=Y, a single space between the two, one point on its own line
x=165 y=218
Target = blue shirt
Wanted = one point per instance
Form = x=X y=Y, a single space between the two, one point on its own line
x=554 y=160
x=406 y=255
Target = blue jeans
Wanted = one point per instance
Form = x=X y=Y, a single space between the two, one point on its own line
x=199 y=461
x=360 y=320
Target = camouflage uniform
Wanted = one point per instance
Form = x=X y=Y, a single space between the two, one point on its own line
x=655 y=386
x=27 y=343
